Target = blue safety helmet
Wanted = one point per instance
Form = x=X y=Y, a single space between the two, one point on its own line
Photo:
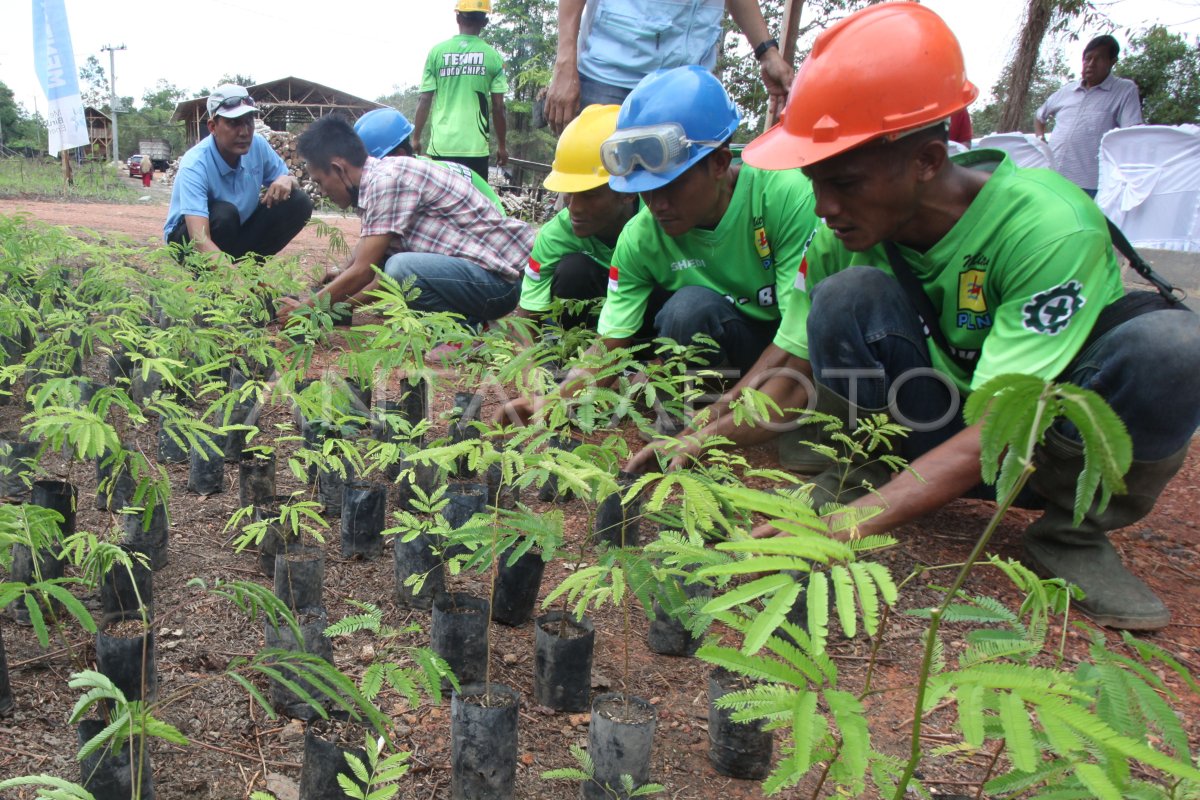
x=690 y=97
x=382 y=130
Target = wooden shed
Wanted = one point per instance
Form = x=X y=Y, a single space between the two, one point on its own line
x=283 y=104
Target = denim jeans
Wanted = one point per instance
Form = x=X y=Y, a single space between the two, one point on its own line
x=866 y=343
x=593 y=92
x=694 y=310
x=454 y=284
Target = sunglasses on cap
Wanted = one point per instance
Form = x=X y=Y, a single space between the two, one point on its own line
x=655 y=148
x=230 y=103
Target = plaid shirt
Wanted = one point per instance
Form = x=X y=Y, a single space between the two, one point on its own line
x=1081 y=118
x=428 y=209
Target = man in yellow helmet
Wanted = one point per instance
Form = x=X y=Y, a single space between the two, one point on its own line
x=573 y=251
x=464 y=75
x=932 y=276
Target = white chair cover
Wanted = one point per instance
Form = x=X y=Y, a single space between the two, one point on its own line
x=1150 y=185
x=1025 y=149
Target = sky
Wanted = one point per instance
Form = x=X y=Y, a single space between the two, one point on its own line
x=370 y=47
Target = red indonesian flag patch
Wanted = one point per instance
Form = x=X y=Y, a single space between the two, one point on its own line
x=533 y=270
x=802 y=274
x=612 y=277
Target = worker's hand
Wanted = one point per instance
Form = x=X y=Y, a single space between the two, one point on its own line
x=284 y=306
x=664 y=454
x=415 y=144
x=562 y=97
x=518 y=412
x=764 y=531
x=279 y=190
x=777 y=76
x=501 y=156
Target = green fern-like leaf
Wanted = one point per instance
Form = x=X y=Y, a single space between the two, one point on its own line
x=50 y=787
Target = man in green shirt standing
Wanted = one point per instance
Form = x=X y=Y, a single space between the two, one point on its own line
x=573 y=251
x=714 y=249
x=1015 y=273
x=461 y=74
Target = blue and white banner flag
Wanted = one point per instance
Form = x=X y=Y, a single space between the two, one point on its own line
x=54 y=61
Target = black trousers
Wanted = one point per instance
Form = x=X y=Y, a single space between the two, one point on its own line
x=265 y=232
x=477 y=164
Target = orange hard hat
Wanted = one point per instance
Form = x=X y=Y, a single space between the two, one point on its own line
x=888 y=69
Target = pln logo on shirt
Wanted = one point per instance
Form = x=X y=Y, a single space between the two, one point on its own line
x=972 y=301
x=761 y=244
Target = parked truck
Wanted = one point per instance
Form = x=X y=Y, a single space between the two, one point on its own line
x=158 y=151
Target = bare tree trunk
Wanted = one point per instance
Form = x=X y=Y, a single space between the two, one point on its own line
x=1037 y=22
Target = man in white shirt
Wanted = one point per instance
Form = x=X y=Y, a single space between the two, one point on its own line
x=1086 y=109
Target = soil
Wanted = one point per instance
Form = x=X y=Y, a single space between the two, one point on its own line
x=235 y=748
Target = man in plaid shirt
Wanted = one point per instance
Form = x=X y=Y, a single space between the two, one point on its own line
x=420 y=222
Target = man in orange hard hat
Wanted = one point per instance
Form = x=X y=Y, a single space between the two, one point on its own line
x=1012 y=269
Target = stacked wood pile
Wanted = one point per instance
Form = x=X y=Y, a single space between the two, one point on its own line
x=284 y=144
x=531 y=204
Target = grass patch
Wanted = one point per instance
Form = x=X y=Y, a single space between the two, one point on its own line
x=39 y=178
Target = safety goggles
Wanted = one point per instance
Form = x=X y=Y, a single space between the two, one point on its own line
x=654 y=148
x=230 y=103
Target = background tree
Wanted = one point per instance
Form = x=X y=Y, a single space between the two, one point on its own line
x=236 y=78
x=153 y=119
x=19 y=129
x=525 y=32
x=93 y=84
x=1050 y=73
x=1042 y=17
x=738 y=70
x=403 y=100
x=1166 y=68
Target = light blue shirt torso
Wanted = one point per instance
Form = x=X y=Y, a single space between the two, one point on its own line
x=621 y=41
x=204 y=176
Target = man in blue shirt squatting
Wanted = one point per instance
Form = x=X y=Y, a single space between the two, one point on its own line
x=1022 y=255
x=218 y=204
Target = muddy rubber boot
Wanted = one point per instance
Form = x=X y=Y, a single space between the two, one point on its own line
x=1055 y=547
x=841 y=482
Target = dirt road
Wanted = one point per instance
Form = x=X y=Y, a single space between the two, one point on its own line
x=143 y=223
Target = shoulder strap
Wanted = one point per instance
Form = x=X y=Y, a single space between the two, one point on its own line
x=922 y=304
x=1171 y=294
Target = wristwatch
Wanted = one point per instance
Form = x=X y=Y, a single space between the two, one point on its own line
x=761 y=48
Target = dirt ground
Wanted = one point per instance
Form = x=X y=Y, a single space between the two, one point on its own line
x=236 y=749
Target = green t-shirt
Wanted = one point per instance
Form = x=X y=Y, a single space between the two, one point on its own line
x=1018 y=281
x=751 y=256
x=554 y=240
x=481 y=185
x=463 y=72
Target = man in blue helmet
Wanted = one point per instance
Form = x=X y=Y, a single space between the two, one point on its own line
x=716 y=245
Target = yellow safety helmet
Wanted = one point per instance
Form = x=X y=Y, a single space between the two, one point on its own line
x=577 y=166
x=467 y=6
